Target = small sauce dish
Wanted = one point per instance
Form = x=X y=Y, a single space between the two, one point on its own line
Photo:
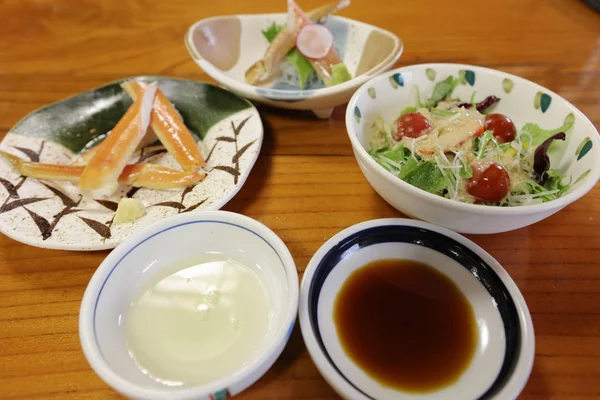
x=150 y=270
x=421 y=306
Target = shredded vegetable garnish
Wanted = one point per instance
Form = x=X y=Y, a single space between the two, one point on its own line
x=450 y=148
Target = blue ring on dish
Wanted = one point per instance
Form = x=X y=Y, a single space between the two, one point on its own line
x=442 y=244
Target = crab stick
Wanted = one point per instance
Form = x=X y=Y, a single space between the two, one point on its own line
x=150 y=176
x=100 y=175
x=169 y=128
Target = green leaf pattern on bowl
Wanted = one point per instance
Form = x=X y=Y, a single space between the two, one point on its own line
x=507 y=85
x=430 y=72
x=583 y=148
x=542 y=101
x=396 y=80
x=357 y=114
x=466 y=76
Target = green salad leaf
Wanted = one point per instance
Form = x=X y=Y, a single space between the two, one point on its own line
x=423 y=174
x=409 y=167
x=393 y=160
x=302 y=65
x=408 y=110
x=442 y=90
x=539 y=134
x=484 y=139
x=555 y=181
x=294 y=57
x=504 y=147
x=442 y=113
x=427 y=176
x=272 y=31
x=466 y=172
x=472 y=100
x=399 y=154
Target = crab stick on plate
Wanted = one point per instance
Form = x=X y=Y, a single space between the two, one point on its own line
x=169 y=128
x=150 y=176
x=100 y=175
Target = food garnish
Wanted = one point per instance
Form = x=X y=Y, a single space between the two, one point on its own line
x=305 y=45
x=466 y=152
x=129 y=210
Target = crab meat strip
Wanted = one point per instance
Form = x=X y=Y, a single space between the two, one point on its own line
x=169 y=128
x=85 y=157
x=452 y=139
x=158 y=177
x=69 y=173
x=100 y=176
x=140 y=175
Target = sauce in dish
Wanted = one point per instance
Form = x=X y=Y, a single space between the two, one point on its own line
x=406 y=325
x=199 y=324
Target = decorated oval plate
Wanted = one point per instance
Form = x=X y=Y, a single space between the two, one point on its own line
x=54 y=214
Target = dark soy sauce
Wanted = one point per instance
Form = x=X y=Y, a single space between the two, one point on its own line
x=406 y=325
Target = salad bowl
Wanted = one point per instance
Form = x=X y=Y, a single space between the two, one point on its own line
x=225 y=47
x=574 y=161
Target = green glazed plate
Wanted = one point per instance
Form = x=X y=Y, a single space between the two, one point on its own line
x=51 y=214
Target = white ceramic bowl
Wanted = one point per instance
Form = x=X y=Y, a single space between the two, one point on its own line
x=226 y=46
x=506 y=344
x=132 y=264
x=522 y=100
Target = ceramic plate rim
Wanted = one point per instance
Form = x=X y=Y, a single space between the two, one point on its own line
x=217 y=206
x=588 y=183
x=524 y=363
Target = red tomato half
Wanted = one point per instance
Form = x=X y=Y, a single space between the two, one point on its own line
x=503 y=128
x=412 y=125
x=490 y=182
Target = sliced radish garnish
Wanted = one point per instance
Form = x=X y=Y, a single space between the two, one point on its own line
x=314 y=41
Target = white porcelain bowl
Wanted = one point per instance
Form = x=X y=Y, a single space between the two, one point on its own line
x=522 y=100
x=128 y=269
x=505 y=348
x=226 y=46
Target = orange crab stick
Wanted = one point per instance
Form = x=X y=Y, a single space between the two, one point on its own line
x=85 y=157
x=158 y=177
x=139 y=175
x=169 y=128
x=44 y=171
x=100 y=176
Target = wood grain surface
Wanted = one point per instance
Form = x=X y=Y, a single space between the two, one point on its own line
x=306 y=185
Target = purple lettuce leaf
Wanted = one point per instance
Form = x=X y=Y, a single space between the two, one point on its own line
x=482 y=105
x=541 y=161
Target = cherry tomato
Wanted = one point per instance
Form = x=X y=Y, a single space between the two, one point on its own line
x=490 y=182
x=503 y=128
x=411 y=125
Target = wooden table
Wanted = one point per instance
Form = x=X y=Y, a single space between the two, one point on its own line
x=306 y=185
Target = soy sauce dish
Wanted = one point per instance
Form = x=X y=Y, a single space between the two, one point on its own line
x=402 y=309
x=197 y=306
